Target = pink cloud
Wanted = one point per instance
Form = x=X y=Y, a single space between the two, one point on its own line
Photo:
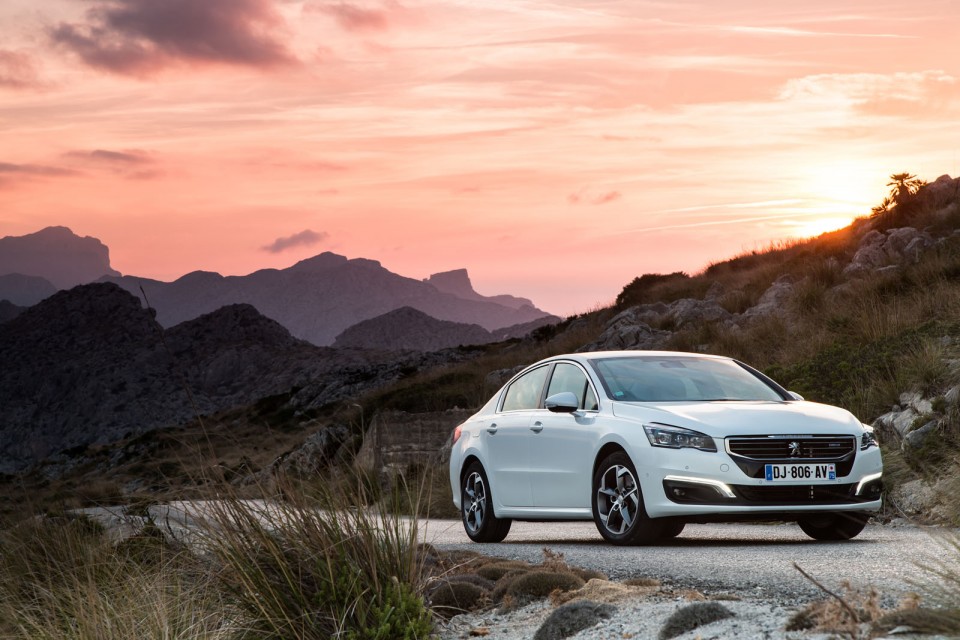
x=139 y=37
x=303 y=238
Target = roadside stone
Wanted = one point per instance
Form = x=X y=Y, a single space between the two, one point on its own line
x=692 y=616
x=572 y=618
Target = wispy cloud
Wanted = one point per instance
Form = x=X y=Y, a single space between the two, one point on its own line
x=810 y=33
x=128 y=157
x=353 y=17
x=139 y=37
x=12 y=172
x=304 y=238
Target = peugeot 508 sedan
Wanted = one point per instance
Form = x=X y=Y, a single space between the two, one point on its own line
x=643 y=442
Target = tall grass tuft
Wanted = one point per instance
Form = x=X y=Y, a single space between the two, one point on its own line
x=319 y=564
x=64 y=578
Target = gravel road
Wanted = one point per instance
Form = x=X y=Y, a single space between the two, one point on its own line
x=737 y=558
x=751 y=562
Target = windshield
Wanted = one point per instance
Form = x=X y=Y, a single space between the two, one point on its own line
x=680 y=379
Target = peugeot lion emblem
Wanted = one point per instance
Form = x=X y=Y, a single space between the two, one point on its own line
x=794 y=449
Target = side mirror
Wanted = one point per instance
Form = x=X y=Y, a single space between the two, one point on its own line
x=794 y=395
x=563 y=402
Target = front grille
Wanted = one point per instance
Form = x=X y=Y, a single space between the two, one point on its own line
x=787 y=448
x=751 y=453
x=797 y=494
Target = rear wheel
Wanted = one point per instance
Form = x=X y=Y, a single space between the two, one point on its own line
x=476 y=507
x=834 y=526
x=618 y=509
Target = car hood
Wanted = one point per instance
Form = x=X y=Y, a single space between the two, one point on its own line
x=743 y=418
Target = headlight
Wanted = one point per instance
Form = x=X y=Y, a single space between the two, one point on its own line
x=661 y=435
x=868 y=439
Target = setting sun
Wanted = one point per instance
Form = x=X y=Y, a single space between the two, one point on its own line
x=818 y=226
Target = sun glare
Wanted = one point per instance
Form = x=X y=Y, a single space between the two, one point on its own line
x=815 y=227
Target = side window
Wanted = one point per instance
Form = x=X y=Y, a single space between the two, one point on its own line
x=524 y=393
x=568 y=377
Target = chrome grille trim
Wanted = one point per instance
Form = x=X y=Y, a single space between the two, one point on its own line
x=778 y=447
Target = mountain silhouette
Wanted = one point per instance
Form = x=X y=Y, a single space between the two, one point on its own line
x=57 y=255
x=318 y=298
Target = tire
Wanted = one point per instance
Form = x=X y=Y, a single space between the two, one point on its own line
x=476 y=507
x=671 y=529
x=618 y=509
x=834 y=526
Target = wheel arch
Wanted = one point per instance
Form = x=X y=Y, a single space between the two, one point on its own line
x=606 y=450
x=467 y=461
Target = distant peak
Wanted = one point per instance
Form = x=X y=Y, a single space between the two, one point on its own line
x=320 y=262
x=456 y=282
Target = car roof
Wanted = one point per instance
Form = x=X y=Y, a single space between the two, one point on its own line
x=599 y=355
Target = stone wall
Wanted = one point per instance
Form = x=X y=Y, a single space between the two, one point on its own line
x=397 y=441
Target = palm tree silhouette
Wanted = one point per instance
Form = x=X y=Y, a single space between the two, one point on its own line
x=903 y=186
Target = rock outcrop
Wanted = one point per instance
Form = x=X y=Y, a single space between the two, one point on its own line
x=897 y=246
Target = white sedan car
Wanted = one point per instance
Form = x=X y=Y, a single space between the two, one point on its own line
x=642 y=442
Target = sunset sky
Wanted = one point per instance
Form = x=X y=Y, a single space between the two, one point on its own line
x=555 y=149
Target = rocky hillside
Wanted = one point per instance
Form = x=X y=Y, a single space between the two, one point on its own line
x=409 y=329
x=57 y=255
x=318 y=298
x=90 y=365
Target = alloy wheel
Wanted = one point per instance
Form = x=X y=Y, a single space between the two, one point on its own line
x=618 y=499
x=474 y=502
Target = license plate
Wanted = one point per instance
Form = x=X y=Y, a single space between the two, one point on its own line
x=800 y=472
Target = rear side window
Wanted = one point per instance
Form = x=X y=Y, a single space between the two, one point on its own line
x=568 y=377
x=525 y=391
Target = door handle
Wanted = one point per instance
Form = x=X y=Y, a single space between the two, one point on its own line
x=492 y=428
x=537 y=427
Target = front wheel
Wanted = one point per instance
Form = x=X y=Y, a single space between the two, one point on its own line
x=618 y=509
x=834 y=526
x=476 y=507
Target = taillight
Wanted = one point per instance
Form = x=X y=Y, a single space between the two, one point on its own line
x=456 y=435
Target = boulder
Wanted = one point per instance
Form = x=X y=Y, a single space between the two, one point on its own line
x=690 y=311
x=772 y=301
x=627 y=331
